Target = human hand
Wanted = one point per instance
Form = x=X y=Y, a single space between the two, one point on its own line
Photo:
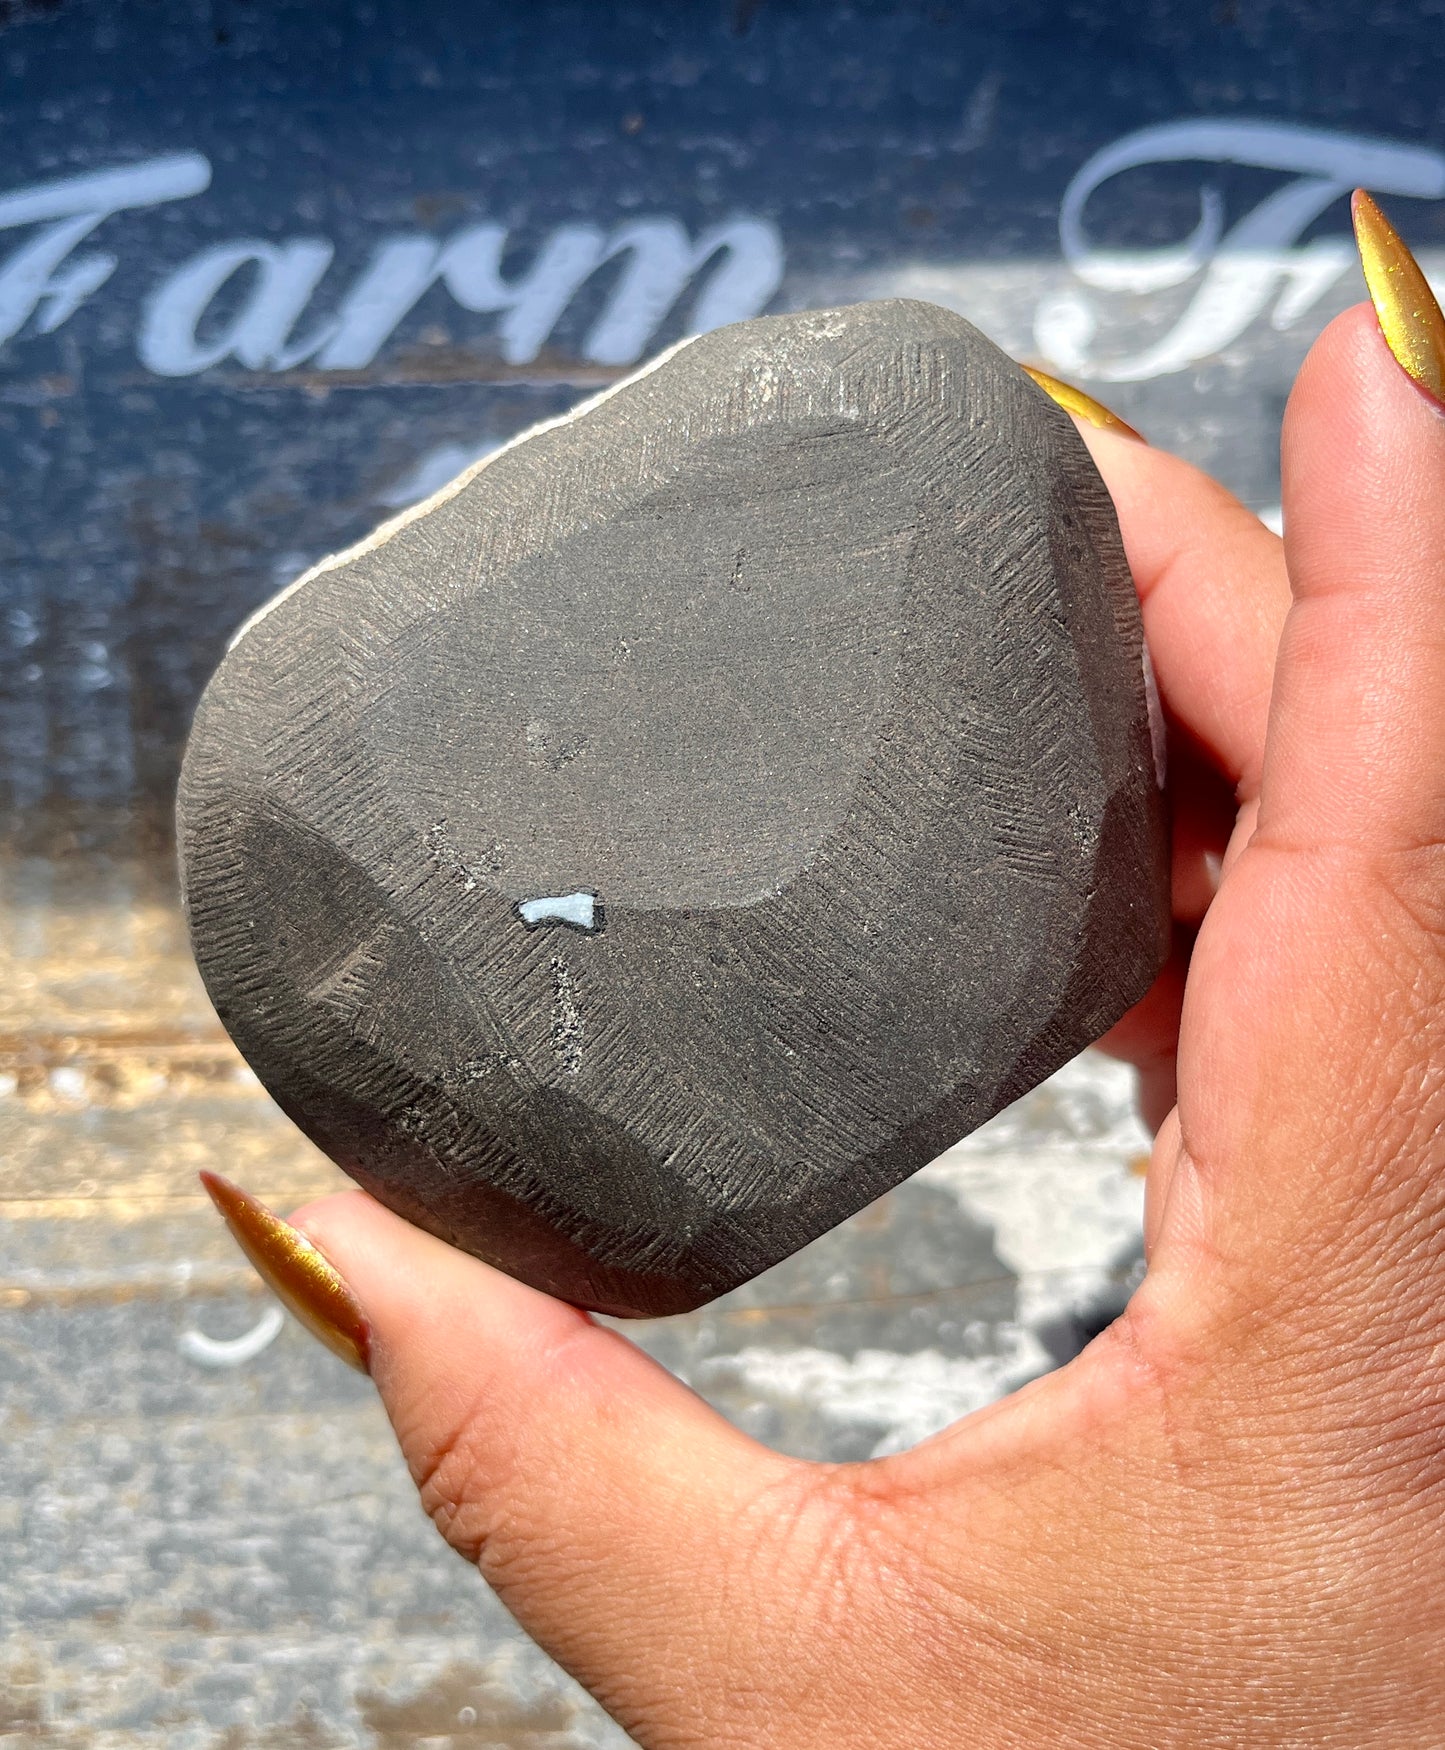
x=1221 y=1524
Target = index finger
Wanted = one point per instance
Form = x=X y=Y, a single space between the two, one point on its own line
x=1214 y=593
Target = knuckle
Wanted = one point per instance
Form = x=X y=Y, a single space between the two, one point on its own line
x=466 y=1484
x=481 y=1465
x=466 y=1465
x=452 y=1481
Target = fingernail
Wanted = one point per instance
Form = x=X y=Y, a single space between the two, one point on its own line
x=1410 y=318
x=295 y=1272
x=1075 y=401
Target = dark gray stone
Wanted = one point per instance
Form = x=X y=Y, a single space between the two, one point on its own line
x=662 y=843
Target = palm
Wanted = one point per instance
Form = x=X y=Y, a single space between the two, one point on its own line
x=1230 y=1500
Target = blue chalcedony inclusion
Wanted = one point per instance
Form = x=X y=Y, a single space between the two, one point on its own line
x=579 y=911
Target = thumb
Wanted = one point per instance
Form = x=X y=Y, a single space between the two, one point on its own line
x=1311 y=1101
x=642 y=1540
x=1358 y=723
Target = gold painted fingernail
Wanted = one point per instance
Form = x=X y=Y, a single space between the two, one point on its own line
x=1410 y=318
x=1075 y=401
x=295 y=1272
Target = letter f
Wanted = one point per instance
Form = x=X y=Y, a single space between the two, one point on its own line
x=37 y=278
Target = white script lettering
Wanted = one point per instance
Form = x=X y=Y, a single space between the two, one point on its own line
x=742 y=261
x=35 y=280
x=1241 y=270
x=286 y=276
x=735 y=267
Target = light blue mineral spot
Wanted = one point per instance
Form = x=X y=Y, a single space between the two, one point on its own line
x=579 y=911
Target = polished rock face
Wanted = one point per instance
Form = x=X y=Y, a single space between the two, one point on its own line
x=684 y=827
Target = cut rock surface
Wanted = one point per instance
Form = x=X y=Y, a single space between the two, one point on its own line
x=694 y=819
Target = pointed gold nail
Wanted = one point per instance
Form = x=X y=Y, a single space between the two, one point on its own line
x=1409 y=316
x=295 y=1272
x=1075 y=401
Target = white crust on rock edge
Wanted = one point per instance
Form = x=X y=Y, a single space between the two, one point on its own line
x=394 y=525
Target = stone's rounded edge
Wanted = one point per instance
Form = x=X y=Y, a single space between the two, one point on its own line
x=1151 y=939
x=634 y=1294
x=1158 y=735
x=565 y=1272
x=393 y=526
x=767 y=337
